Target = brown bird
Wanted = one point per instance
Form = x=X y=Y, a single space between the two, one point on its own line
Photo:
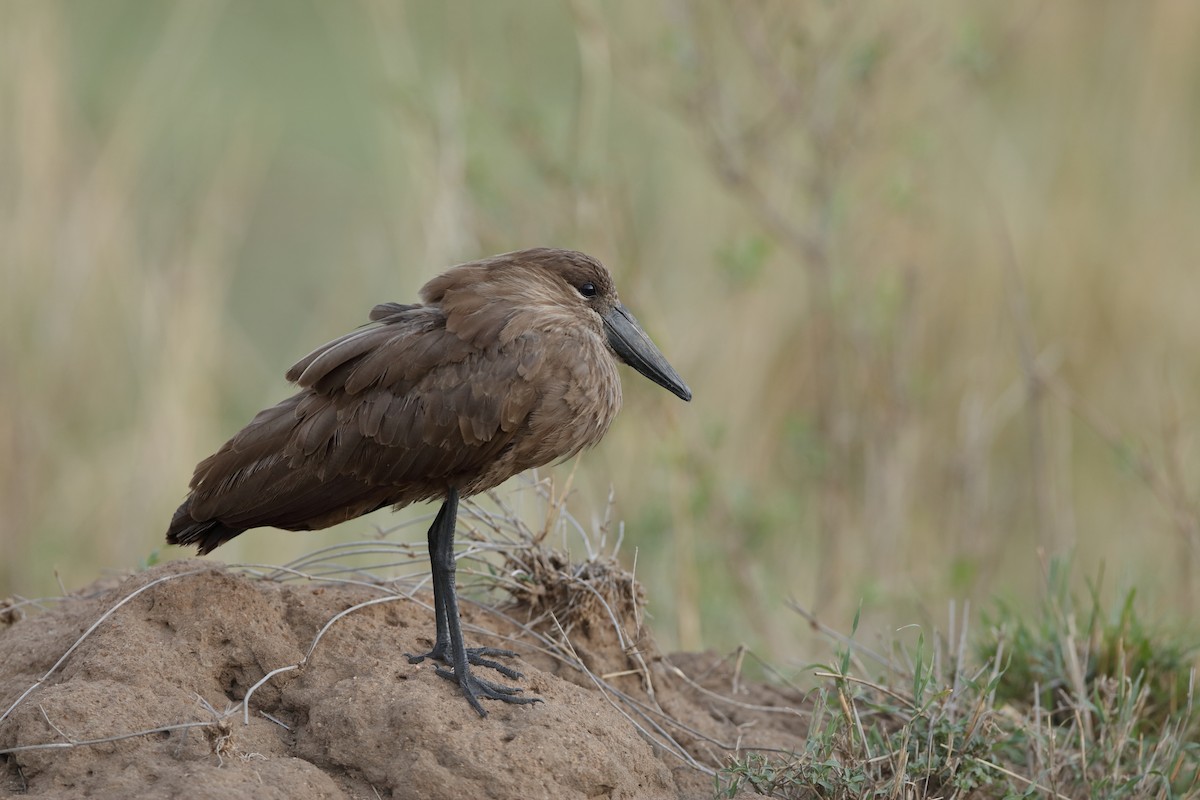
x=508 y=363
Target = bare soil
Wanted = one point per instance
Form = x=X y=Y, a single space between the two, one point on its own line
x=356 y=720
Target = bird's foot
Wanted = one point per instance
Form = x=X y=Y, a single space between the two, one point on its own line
x=474 y=688
x=475 y=655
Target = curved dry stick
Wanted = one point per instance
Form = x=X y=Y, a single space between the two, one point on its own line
x=679 y=673
x=89 y=632
x=104 y=740
x=246 y=700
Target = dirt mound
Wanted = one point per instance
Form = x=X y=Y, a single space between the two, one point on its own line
x=150 y=702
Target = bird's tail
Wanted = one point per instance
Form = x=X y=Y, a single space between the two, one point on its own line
x=206 y=536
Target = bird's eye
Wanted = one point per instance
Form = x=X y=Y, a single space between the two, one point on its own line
x=588 y=290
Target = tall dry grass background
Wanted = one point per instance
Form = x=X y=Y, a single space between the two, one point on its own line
x=931 y=271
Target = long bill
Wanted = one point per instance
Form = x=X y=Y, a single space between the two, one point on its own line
x=635 y=348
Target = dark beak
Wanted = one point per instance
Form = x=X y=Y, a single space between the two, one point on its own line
x=635 y=349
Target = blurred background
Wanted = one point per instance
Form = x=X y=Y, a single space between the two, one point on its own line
x=930 y=270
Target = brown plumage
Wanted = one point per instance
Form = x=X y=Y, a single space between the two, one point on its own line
x=508 y=363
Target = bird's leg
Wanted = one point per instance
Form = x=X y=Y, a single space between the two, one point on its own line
x=449 y=647
x=439 y=606
x=441 y=551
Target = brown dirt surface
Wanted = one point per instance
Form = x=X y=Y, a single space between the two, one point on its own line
x=356 y=720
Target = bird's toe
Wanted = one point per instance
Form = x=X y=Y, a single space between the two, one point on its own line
x=432 y=654
x=477 y=656
x=474 y=687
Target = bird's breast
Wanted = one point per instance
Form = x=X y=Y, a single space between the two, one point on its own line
x=578 y=396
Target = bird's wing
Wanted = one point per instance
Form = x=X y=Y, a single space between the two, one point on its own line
x=388 y=414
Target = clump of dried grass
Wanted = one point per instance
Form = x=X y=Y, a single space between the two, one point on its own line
x=576 y=595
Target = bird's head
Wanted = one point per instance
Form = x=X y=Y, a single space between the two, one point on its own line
x=497 y=298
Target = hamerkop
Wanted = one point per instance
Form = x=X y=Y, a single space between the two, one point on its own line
x=509 y=363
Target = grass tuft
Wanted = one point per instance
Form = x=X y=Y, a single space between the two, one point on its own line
x=1037 y=707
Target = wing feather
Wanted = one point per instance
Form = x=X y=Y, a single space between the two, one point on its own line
x=389 y=312
x=309 y=370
